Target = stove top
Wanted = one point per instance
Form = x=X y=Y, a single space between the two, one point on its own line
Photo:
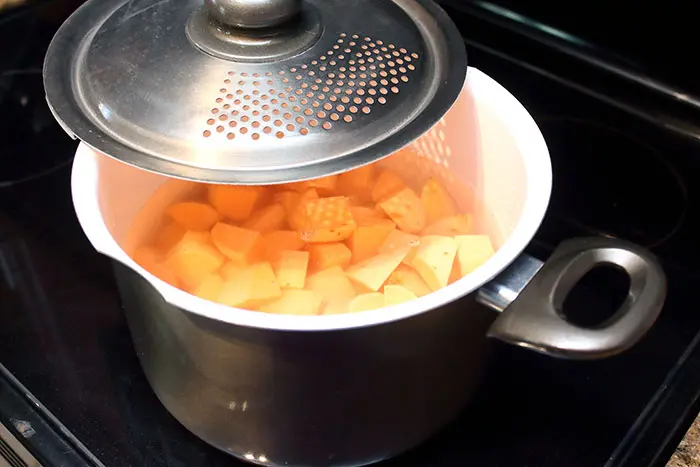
x=624 y=161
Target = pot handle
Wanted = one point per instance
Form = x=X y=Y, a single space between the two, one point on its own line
x=531 y=295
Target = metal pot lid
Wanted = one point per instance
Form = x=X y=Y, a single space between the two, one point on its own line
x=253 y=91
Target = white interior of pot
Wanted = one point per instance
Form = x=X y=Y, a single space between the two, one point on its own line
x=487 y=151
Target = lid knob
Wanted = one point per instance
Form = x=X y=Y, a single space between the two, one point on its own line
x=253 y=14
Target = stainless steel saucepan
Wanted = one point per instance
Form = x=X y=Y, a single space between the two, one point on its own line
x=161 y=92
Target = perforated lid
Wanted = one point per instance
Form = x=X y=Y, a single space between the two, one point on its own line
x=253 y=91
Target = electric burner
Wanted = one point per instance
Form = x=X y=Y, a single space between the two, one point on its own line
x=30 y=137
x=70 y=373
x=606 y=182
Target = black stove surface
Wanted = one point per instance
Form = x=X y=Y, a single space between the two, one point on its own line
x=619 y=170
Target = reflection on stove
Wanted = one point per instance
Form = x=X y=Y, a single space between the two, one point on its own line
x=31 y=136
x=608 y=183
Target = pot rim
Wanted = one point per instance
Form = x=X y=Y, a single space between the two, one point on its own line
x=538 y=170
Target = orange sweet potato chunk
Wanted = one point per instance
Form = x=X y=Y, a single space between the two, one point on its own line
x=395 y=294
x=332 y=284
x=288 y=200
x=400 y=239
x=210 y=287
x=193 y=215
x=472 y=252
x=234 y=202
x=193 y=258
x=436 y=202
x=295 y=302
x=168 y=235
x=326 y=220
x=360 y=213
x=290 y=268
x=326 y=255
x=151 y=259
x=368 y=237
x=366 y=301
x=251 y=287
x=295 y=216
x=460 y=224
x=406 y=209
x=230 y=270
x=322 y=184
x=387 y=184
x=241 y=246
x=336 y=307
x=268 y=219
x=357 y=183
x=407 y=277
x=371 y=273
x=279 y=240
x=434 y=259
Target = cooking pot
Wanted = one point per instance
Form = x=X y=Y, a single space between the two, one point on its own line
x=163 y=93
x=353 y=389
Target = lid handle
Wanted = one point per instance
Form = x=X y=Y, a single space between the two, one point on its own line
x=252 y=14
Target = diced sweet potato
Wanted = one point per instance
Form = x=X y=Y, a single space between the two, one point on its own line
x=251 y=287
x=434 y=259
x=357 y=182
x=399 y=239
x=327 y=255
x=323 y=184
x=371 y=273
x=210 y=287
x=168 y=235
x=366 y=301
x=279 y=240
x=229 y=270
x=295 y=302
x=290 y=268
x=151 y=260
x=360 y=213
x=472 y=252
x=234 y=202
x=461 y=224
x=241 y=246
x=387 y=184
x=436 y=202
x=406 y=209
x=332 y=284
x=455 y=275
x=295 y=216
x=336 y=307
x=268 y=219
x=288 y=200
x=395 y=294
x=193 y=215
x=368 y=236
x=408 y=277
x=326 y=220
x=193 y=258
